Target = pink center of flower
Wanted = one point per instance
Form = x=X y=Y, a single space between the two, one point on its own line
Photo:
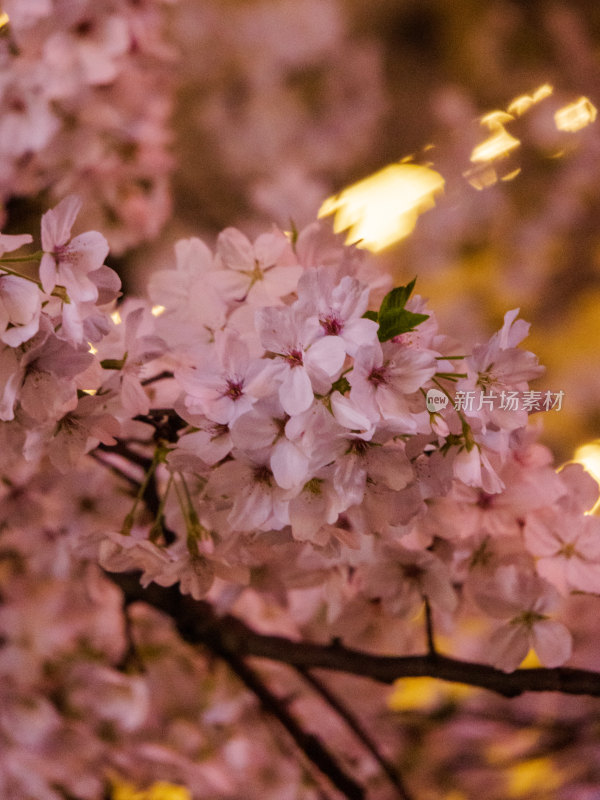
x=218 y=430
x=485 y=500
x=358 y=447
x=263 y=474
x=331 y=325
x=84 y=28
x=378 y=375
x=294 y=358
x=568 y=550
x=412 y=572
x=235 y=389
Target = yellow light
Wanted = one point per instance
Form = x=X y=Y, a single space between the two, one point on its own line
x=158 y=791
x=425 y=694
x=588 y=455
x=512 y=175
x=4 y=19
x=523 y=103
x=158 y=310
x=91 y=349
x=482 y=176
x=576 y=115
x=531 y=661
x=496 y=119
x=498 y=145
x=384 y=208
x=116 y=317
x=537 y=775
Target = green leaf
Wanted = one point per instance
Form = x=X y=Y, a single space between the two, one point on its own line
x=374 y=315
x=395 y=324
x=341 y=385
x=396 y=299
x=393 y=318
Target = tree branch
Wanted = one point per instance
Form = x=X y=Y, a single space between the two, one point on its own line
x=198 y=623
x=355 y=726
x=309 y=744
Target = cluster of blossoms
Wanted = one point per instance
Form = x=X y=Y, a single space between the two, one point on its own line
x=275 y=430
x=84 y=107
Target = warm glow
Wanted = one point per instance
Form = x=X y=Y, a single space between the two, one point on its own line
x=116 y=317
x=158 y=310
x=91 y=349
x=4 y=19
x=499 y=144
x=158 y=791
x=425 y=694
x=588 y=455
x=482 y=176
x=537 y=776
x=576 y=115
x=512 y=175
x=523 y=103
x=383 y=208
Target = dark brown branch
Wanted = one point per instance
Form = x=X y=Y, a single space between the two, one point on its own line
x=197 y=623
x=308 y=743
x=121 y=449
x=355 y=726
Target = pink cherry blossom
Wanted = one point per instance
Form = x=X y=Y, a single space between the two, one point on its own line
x=20 y=307
x=524 y=599
x=225 y=383
x=567 y=549
x=306 y=363
x=260 y=273
x=383 y=378
x=67 y=261
x=338 y=305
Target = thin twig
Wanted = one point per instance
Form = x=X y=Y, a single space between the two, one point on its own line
x=116 y=469
x=121 y=449
x=355 y=726
x=160 y=377
x=312 y=747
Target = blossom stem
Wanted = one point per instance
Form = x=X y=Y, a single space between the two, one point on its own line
x=19 y=274
x=129 y=519
x=58 y=291
x=466 y=428
x=157 y=528
x=21 y=259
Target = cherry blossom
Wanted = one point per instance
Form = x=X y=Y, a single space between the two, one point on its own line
x=524 y=599
x=259 y=273
x=307 y=364
x=383 y=379
x=69 y=261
